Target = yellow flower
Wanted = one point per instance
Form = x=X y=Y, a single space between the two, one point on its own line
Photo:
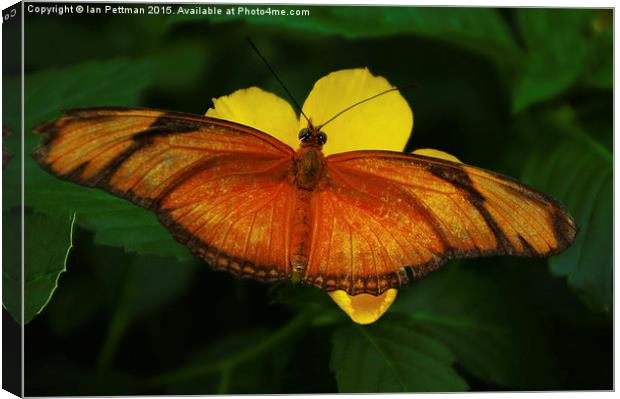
x=384 y=123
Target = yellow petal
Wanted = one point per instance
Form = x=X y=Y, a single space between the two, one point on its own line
x=383 y=123
x=364 y=308
x=430 y=152
x=261 y=110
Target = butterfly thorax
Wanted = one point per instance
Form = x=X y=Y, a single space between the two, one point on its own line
x=308 y=168
x=309 y=163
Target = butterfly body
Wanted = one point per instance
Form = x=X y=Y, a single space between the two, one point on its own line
x=309 y=173
x=249 y=204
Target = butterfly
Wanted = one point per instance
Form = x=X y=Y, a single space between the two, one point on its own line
x=248 y=204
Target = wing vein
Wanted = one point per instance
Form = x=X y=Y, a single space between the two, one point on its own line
x=404 y=252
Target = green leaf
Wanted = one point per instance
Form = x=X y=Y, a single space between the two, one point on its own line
x=74 y=379
x=12 y=264
x=115 y=82
x=47 y=244
x=484 y=320
x=558 y=51
x=179 y=65
x=233 y=352
x=481 y=30
x=578 y=172
x=599 y=73
x=151 y=282
x=258 y=374
x=114 y=221
x=303 y=298
x=48 y=240
x=138 y=285
x=73 y=305
x=392 y=355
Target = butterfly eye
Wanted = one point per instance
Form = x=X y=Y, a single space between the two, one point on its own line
x=322 y=138
x=304 y=134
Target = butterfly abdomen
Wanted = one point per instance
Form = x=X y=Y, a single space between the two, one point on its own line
x=300 y=234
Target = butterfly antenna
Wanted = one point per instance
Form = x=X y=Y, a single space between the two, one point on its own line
x=367 y=99
x=277 y=78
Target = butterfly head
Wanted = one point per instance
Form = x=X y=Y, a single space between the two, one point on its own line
x=312 y=137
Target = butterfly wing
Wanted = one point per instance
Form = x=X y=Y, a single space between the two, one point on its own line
x=219 y=187
x=381 y=213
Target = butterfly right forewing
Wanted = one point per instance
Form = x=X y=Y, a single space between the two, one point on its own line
x=381 y=212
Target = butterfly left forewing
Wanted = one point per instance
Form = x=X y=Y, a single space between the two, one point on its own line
x=219 y=187
x=140 y=153
x=394 y=210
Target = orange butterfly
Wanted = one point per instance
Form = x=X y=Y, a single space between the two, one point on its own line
x=359 y=221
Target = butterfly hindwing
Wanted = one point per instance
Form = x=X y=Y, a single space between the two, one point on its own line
x=238 y=220
x=382 y=211
x=219 y=187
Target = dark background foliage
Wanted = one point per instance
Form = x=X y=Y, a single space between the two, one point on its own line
x=525 y=92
